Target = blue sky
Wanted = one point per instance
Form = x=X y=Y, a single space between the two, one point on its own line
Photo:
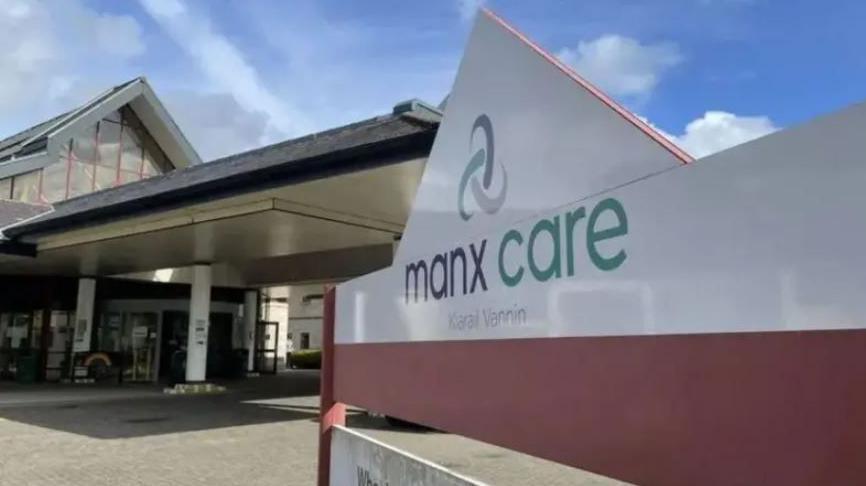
x=239 y=74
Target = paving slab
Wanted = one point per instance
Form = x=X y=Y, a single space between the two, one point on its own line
x=262 y=431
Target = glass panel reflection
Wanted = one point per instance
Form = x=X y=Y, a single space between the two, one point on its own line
x=105 y=177
x=80 y=178
x=116 y=150
x=54 y=181
x=84 y=145
x=109 y=143
x=25 y=187
x=126 y=176
x=131 y=146
x=139 y=338
x=6 y=188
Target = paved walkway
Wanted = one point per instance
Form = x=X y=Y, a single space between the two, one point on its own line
x=15 y=395
x=263 y=432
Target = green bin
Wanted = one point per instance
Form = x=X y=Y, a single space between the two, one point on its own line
x=28 y=368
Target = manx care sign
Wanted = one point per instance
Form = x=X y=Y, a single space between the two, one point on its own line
x=560 y=253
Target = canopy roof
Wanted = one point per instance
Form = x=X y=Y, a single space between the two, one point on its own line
x=327 y=205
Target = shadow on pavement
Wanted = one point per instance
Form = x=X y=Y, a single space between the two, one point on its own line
x=267 y=399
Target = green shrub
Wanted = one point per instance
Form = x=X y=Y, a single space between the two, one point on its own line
x=306 y=359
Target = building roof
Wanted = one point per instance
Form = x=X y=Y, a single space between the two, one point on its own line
x=406 y=133
x=13 y=144
x=34 y=139
x=40 y=145
x=12 y=212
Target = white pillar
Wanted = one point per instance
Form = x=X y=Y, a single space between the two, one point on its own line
x=395 y=245
x=251 y=304
x=84 y=314
x=281 y=340
x=199 y=323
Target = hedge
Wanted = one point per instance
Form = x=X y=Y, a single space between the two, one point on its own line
x=307 y=359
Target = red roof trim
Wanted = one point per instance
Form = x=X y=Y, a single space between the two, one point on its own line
x=629 y=116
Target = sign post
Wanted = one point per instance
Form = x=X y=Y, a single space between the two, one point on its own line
x=331 y=413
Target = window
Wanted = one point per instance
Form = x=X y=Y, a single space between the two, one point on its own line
x=80 y=178
x=114 y=151
x=19 y=332
x=109 y=333
x=104 y=177
x=54 y=182
x=25 y=187
x=130 y=159
x=84 y=145
x=4 y=331
x=109 y=143
x=149 y=166
x=305 y=340
x=6 y=188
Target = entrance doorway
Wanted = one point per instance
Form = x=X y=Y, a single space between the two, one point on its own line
x=139 y=346
x=265 y=360
x=58 y=346
x=175 y=329
x=219 y=345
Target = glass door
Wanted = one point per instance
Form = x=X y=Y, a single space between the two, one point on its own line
x=5 y=346
x=59 y=345
x=265 y=356
x=139 y=346
x=15 y=342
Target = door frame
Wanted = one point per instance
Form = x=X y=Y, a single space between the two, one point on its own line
x=260 y=351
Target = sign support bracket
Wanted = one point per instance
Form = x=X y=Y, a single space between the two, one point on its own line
x=331 y=412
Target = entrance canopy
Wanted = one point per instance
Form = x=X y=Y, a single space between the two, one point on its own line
x=329 y=205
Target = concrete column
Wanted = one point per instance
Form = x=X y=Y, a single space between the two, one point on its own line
x=251 y=307
x=84 y=314
x=395 y=245
x=199 y=323
x=280 y=313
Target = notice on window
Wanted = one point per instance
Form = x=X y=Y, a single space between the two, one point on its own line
x=200 y=335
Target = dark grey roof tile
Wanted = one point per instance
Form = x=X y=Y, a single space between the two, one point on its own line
x=12 y=212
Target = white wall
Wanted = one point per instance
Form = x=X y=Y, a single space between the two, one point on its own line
x=276 y=309
x=306 y=316
x=287 y=306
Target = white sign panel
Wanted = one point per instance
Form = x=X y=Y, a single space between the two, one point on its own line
x=82 y=336
x=358 y=460
x=519 y=137
x=587 y=229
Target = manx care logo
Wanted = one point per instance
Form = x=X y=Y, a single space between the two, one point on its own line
x=574 y=235
x=482 y=164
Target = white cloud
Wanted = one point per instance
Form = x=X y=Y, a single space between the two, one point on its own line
x=215 y=123
x=53 y=53
x=224 y=66
x=348 y=73
x=354 y=69
x=622 y=66
x=468 y=8
x=117 y=35
x=59 y=53
x=719 y=130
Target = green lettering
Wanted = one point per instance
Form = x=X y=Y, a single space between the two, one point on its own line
x=571 y=219
x=553 y=269
x=593 y=236
x=510 y=279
